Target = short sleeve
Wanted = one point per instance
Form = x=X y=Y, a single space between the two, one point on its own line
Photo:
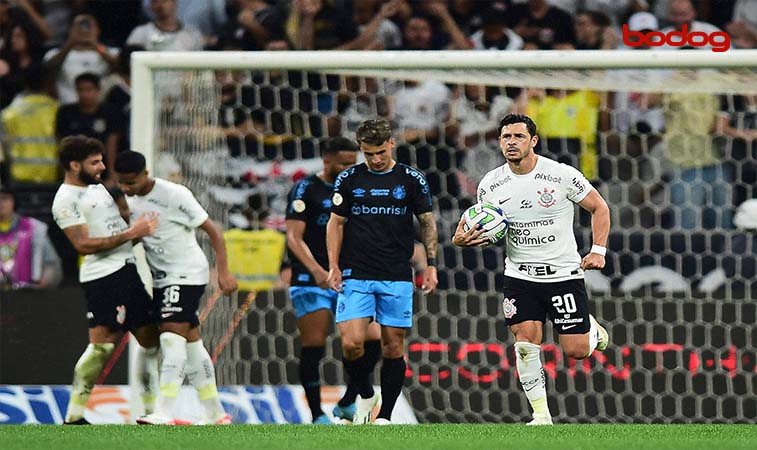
x=297 y=201
x=421 y=193
x=67 y=213
x=191 y=212
x=340 y=200
x=575 y=183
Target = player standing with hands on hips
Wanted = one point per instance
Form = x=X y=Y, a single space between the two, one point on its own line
x=544 y=274
x=369 y=240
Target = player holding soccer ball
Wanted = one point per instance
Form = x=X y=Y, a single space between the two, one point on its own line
x=369 y=239
x=544 y=274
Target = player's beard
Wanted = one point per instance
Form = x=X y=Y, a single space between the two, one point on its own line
x=86 y=178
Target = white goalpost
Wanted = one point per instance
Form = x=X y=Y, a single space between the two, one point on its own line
x=236 y=126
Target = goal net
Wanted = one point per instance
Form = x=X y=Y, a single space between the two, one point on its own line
x=666 y=138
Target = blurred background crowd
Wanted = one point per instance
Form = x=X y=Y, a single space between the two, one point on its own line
x=672 y=164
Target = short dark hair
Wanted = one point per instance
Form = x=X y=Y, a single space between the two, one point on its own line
x=374 y=132
x=130 y=162
x=7 y=190
x=518 y=118
x=88 y=77
x=339 y=144
x=78 y=148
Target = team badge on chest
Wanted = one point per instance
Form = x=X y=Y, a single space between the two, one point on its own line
x=546 y=197
x=508 y=307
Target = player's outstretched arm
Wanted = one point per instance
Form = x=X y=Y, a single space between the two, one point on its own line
x=226 y=280
x=430 y=239
x=85 y=245
x=334 y=237
x=600 y=229
x=296 y=243
x=469 y=238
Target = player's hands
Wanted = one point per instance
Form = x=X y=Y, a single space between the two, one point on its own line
x=468 y=238
x=321 y=277
x=145 y=224
x=430 y=280
x=335 y=279
x=227 y=282
x=593 y=261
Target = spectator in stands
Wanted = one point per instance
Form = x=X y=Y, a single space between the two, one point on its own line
x=89 y=117
x=682 y=13
x=26 y=12
x=255 y=24
x=27 y=257
x=594 y=31
x=29 y=131
x=743 y=26
x=476 y=110
x=700 y=185
x=22 y=47
x=319 y=25
x=373 y=19
x=166 y=32
x=81 y=53
x=207 y=16
x=542 y=25
x=118 y=97
x=494 y=33
x=573 y=117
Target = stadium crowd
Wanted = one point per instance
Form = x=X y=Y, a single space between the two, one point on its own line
x=64 y=70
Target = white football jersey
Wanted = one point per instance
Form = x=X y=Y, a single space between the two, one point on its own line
x=93 y=206
x=539 y=205
x=172 y=251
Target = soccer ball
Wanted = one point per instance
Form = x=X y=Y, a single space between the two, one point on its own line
x=488 y=218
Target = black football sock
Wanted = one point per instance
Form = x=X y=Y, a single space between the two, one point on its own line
x=372 y=356
x=392 y=378
x=310 y=359
x=358 y=373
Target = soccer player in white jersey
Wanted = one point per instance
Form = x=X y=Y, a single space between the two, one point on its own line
x=116 y=298
x=180 y=272
x=544 y=274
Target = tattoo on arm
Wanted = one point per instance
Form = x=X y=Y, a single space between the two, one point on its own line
x=429 y=235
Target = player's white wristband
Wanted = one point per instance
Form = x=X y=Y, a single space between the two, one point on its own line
x=598 y=249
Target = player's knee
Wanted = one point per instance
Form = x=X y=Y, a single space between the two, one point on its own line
x=392 y=350
x=352 y=348
x=577 y=350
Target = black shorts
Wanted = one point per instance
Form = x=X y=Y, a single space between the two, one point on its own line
x=565 y=303
x=119 y=301
x=178 y=303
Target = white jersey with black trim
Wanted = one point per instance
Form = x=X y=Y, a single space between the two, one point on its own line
x=172 y=251
x=93 y=206
x=539 y=205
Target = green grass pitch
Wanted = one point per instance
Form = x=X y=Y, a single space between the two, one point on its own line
x=410 y=437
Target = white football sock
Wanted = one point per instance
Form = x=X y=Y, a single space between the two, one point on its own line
x=593 y=338
x=202 y=375
x=146 y=371
x=86 y=371
x=174 y=350
x=531 y=374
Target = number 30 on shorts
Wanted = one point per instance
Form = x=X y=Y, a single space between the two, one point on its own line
x=564 y=304
x=171 y=295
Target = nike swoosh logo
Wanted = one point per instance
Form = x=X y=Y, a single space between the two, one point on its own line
x=503 y=201
x=568 y=327
x=530 y=388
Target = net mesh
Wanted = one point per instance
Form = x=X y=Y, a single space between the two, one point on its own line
x=670 y=153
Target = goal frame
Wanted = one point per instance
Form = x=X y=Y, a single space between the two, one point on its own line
x=145 y=64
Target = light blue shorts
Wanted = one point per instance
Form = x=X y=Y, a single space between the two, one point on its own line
x=390 y=302
x=307 y=299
